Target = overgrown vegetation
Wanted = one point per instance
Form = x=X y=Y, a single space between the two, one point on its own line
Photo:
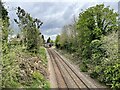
x=93 y=40
x=24 y=69
x=24 y=63
x=29 y=26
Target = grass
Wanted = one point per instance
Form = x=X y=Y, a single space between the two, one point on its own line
x=43 y=56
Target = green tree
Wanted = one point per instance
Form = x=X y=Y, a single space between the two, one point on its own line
x=57 y=41
x=5 y=28
x=52 y=41
x=30 y=29
x=93 y=23
x=48 y=40
x=43 y=39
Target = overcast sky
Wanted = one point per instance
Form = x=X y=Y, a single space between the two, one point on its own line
x=55 y=14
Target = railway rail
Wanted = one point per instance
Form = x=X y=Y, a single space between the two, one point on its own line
x=67 y=76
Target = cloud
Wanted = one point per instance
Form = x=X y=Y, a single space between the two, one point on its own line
x=52 y=31
x=60 y=0
x=53 y=14
x=51 y=36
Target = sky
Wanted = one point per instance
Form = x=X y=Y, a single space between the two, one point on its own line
x=53 y=13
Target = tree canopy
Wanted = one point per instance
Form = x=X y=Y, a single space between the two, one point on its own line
x=86 y=39
x=30 y=29
x=48 y=40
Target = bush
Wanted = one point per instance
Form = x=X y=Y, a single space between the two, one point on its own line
x=83 y=67
x=108 y=71
x=110 y=75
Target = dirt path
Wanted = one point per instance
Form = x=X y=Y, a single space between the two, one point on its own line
x=64 y=75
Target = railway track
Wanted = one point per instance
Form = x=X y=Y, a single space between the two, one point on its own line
x=67 y=76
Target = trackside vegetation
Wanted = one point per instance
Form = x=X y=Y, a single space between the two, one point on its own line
x=93 y=41
x=24 y=62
